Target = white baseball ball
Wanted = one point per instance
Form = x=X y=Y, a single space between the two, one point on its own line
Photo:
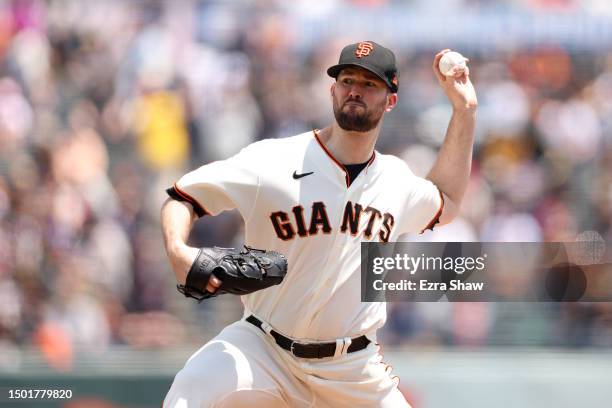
x=450 y=60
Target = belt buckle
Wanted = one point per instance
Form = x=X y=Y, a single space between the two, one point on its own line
x=292 y=348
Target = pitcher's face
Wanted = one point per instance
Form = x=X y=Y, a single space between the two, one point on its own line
x=360 y=99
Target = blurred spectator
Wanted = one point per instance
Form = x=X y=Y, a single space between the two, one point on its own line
x=103 y=105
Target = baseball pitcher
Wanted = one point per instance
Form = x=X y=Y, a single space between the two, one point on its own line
x=308 y=201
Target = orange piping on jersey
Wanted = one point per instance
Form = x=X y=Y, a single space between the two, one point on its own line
x=190 y=199
x=436 y=217
x=370 y=161
x=331 y=156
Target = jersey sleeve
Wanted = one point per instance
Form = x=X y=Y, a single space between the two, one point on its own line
x=221 y=185
x=422 y=207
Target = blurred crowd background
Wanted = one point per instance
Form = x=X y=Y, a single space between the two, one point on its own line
x=105 y=104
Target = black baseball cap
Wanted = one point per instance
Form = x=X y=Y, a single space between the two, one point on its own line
x=371 y=56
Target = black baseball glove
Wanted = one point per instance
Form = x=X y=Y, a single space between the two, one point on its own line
x=240 y=272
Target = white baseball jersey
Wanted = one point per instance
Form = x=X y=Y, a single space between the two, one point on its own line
x=296 y=198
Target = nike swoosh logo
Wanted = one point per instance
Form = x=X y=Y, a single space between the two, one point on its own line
x=297 y=176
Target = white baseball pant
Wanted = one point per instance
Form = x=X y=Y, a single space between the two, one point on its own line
x=244 y=367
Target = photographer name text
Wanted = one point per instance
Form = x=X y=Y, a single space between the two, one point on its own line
x=425 y=285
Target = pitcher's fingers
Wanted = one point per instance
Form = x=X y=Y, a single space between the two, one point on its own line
x=458 y=71
x=436 y=61
x=461 y=72
x=213 y=284
x=436 y=64
x=442 y=52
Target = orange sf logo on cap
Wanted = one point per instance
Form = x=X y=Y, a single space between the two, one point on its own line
x=394 y=80
x=363 y=49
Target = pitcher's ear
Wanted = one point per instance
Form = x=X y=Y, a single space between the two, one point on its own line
x=391 y=102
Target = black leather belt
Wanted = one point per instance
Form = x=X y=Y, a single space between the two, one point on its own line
x=310 y=350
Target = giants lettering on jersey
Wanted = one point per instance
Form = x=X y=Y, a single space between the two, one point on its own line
x=287 y=226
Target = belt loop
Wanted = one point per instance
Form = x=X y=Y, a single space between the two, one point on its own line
x=266 y=327
x=339 y=348
x=342 y=346
x=347 y=342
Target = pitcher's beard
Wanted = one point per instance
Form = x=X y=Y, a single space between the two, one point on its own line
x=357 y=120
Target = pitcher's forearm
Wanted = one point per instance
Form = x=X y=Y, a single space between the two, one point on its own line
x=176 y=221
x=451 y=171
